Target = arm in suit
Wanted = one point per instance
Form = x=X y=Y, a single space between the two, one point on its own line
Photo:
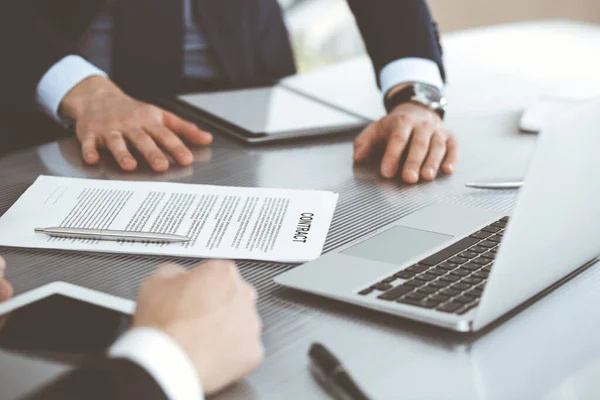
x=397 y=29
x=35 y=36
x=41 y=70
x=144 y=363
x=30 y=45
x=103 y=379
x=193 y=332
x=404 y=46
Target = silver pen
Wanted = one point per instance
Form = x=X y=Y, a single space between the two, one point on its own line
x=105 y=234
x=495 y=185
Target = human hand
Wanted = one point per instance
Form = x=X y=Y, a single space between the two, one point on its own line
x=211 y=313
x=416 y=131
x=6 y=290
x=105 y=117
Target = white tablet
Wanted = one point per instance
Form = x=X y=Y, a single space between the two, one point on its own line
x=269 y=114
x=61 y=319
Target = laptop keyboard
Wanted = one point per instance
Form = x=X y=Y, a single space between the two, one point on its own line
x=452 y=280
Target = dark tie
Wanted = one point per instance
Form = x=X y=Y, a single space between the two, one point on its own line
x=148 y=46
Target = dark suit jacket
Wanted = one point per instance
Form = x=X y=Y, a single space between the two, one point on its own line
x=102 y=380
x=254 y=49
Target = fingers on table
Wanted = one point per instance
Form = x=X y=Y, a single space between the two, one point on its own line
x=364 y=143
x=167 y=271
x=398 y=138
x=451 y=159
x=419 y=149
x=190 y=132
x=437 y=151
x=6 y=290
x=89 y=148
x=115 y=142
x=169 y=141
x=149 y=150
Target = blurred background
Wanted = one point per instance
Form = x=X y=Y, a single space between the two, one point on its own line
x=323 y=31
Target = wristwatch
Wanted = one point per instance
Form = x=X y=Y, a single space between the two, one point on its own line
x=420 y=93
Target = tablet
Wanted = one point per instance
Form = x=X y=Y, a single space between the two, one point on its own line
x=269 y=114
x=63 y=321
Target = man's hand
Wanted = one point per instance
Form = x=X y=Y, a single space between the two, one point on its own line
x=105 y=117
x=211 y=313
x=415 y=131
x=6 y=290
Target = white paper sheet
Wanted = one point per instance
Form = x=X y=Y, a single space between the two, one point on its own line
x=223 y=222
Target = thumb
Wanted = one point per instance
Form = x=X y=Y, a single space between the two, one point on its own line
x=168 y=271
x=6 y=290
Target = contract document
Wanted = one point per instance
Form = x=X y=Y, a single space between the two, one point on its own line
x=221 y=222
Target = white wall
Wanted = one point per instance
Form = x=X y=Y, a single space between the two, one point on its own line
x=460 y=14
x=324 y=31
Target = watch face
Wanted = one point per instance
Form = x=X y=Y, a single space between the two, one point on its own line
x=424 y=94
x=431 y=97
x=428 y=94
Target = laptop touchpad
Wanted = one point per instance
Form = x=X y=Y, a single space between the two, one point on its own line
x=397 y=245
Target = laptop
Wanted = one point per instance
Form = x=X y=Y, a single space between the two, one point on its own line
x=462 y=268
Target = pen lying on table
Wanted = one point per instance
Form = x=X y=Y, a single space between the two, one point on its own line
x=495 y=185
x=105 y=234
x=333 y=376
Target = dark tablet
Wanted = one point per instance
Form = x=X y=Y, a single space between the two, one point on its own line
x=63 y=321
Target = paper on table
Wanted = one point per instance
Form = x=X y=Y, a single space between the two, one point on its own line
x=223 y=222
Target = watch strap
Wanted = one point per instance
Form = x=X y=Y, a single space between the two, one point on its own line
x=407 y=95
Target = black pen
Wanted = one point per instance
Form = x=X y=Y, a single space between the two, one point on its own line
x=332 y=375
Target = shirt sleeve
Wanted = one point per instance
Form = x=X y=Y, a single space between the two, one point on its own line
x=163 y=359
x=60 y=79
x=410 y=70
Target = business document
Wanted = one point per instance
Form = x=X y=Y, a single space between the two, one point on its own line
x=281 y=225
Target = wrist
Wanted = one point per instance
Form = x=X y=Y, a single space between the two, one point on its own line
x=163 y=358
x=422 y=94
x=396 y=89
x=415 y=108
x=85 y=93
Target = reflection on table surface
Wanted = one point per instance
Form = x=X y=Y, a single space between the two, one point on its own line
x=22 y=373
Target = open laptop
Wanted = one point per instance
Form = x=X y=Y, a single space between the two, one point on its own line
x=462 y=268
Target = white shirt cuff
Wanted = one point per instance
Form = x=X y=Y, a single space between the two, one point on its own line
x=60 y=79
x=163 y=359
x=410 y=70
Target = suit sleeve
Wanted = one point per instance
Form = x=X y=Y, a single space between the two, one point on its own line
x=397 y=29
x=103 y=379
x=29 y=46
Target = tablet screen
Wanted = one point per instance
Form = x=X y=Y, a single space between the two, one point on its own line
x=271 y=110
x=61 y=325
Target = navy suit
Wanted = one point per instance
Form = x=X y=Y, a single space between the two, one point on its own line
x=253 y=48
x=103 y=379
